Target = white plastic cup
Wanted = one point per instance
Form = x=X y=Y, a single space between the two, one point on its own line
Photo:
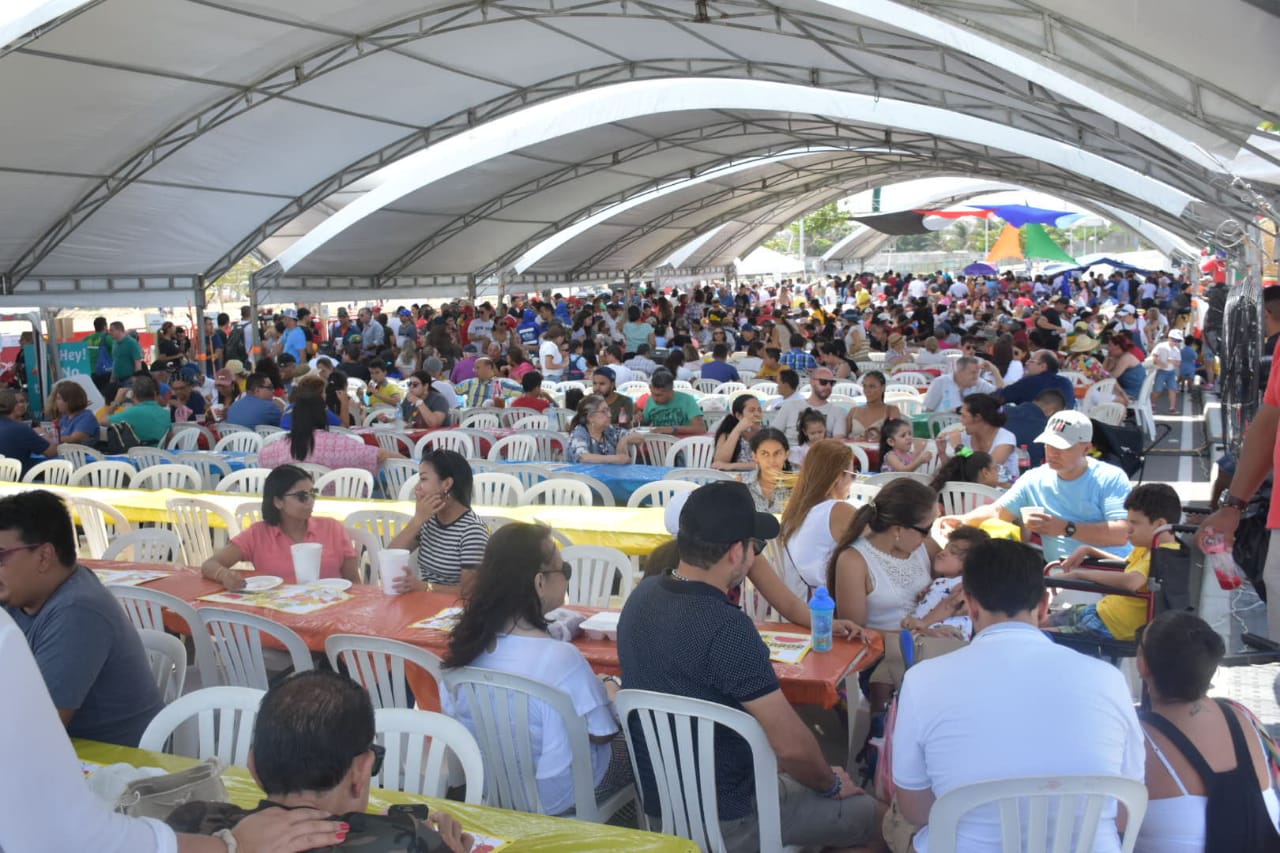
x=393 y=564
x=306 y=561
x=1028 y=511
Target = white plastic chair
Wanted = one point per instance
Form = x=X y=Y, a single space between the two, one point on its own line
x=168 y=477
x=843 y=389
x=902 y=389
x=145 y=457
x=407 y=489
x=212 y=467
x=755 y=605
x=380 y=666
x=1074 y=377
x=560 y=418
x=100 y=522
x=767 y=386
x=145 y=610
x=915 y=380
x=80 y=455
x=10 y=470
x=938 y=421
x=594 y=569
x=237 y=642
x=496 y=490
x=861 y=493
x=223 y=718
x=447 y=439
x=558 y=491
x=395 y=473
x=957 y=498
x=346 y=483
x=708 y=386
x=149 y=545
x=248 y=514
x=634 y=389
x=487 y=419
x=529 y=420
x=600 y=493
x=267 y=430
x=1142 y=410
x=382 y=523
x=501 y=718
x=514 y=448
x=384 y=415
x=551 y=445
x=239 y=442
x=679 y=736
x=246 y=481
x=168 y=659
x=393 y=441
x=653 y=450
x=51 y=472
x=528 y=475
x=226 y=429
x=1032 y=811
x=315 y=469
x=889 y=476
x=713 y=403
x=659 y=493
x=700 y=476
x=907 y=404
x=1108 y=413
x=699 y=451
x=860 y=457
x=191 y=519
x=419 y=744
x=104 y=475
x=187 y=437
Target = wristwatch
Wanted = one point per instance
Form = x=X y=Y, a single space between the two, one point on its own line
x=1071 y=528
x=612 y=679
x=1229 y=500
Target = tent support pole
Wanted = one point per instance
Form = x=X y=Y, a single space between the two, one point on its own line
x=199 y=344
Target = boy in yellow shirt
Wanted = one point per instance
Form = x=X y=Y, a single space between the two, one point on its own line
x=1152 y=508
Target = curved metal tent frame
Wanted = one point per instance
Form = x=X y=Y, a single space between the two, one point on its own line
x=160 y=149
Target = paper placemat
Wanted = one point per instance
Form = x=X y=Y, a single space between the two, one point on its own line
x=786 y=648
x=445 y=620
x=114 y=577
x=290 y=598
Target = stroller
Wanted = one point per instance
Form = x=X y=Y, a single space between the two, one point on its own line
x=1122 y=445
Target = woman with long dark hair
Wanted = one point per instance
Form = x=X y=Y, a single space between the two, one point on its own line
x=288 y=499
x=733 y=436
x=521 y=577
x=967 y=466
x=311 y=441
x=983 y=423
x=449 y=536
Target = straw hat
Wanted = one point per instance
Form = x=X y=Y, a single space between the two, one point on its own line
x=1083 y=343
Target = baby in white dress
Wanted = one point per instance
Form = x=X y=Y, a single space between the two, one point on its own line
x=940 y=608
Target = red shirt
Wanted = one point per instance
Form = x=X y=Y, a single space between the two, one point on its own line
x=537 y=403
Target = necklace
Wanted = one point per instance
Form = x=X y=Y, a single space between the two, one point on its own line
x=675 y=573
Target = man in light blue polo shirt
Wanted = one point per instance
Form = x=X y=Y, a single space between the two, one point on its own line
x=257 y=405
x=294 y=341
x=1075 y=499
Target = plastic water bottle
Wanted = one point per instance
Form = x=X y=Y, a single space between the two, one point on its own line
x=1024 y=458
x=821 y=611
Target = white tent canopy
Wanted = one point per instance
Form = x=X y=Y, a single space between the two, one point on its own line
x=150 y=146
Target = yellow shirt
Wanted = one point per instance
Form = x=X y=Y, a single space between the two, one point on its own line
x=386 y=394
x=864 y=299
x=1123 y=614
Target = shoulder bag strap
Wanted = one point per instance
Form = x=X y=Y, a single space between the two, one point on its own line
x=1181 y=743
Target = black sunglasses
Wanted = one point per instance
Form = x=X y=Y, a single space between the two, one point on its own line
x=379 y=755
x=926 y=532
x=565 y=569
x=304 y=495
x=824 y=382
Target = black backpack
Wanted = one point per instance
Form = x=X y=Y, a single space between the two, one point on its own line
x=235 y=346
x=120 y=437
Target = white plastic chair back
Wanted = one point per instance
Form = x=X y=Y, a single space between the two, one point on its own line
x=149 y=545
x=145 y=610
x=957 y=498
x=168 y=477
x=392 y=441
x=696 y=451
x=381 y=666
x=395 y=473
x=101 y=523
x=1108 y=413
x=679 y=736
x=907 y=404
x=890 y=476
x=1074 y=377
x=938 y=421
x=407 y=489
x=239 y=442
x=529 y=420
x=600 y=493
x=246 y=481
x=915 y=380
x=844 y=389
x=222 y=718
x=861 y=493
x=248 y=514
x=594 y=569
x=501 y=716
x=167 y=657
x=267 y=430
x=713 y=403
x=315 y=469
x=496 y=490
x=653 y=450
x=481 y=419
x=1032 y=812
x=700 y=476
x=104 y=475
x=528 y=475
x=226 y=428
x=80 y=455
x=659 y=493
x=237 y=642
x=212 y=467
x=634 y=389
x=380 y=415
x=550 y=444
x=51 y=472
x=10 y=470
x=346 y=483
x=860 y=458
x=756 y=605
x=367 y=550
x=708 y=386
x=558 y=491
x=149 y=456
x=419 y=745
x=192 y=520
x=447 y=439
x=560 y=418
x=767 y=386
x=186 y=437
x=1106 y=388
x=514 y=448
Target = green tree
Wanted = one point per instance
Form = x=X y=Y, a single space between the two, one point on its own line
x=823 y=228
x=233 y=285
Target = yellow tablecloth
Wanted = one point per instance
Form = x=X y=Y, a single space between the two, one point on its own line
x=633 y=531
x=526 y=832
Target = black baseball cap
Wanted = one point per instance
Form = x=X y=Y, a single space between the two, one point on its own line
x=723 y=512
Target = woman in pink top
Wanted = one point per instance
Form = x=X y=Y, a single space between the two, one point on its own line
x=288 y=497
x=310 y=441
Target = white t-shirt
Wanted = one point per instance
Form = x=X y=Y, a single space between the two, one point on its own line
x=788 y=418
x=1166 y=356
x=1009 y=468
x=1013 y=703
x=621 y=374
x=44 y=801
x=480 y=329
x=552 y=349
x=1014 y=371
x=917 y=288
x=563 y=667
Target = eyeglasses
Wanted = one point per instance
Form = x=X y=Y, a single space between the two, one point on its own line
x=379 y=754
x=415 y=384
x=824 y=381
x=305 y=496
x=4 y=554
x=851 y=472
x=565 y=569
x=758 y=545
x=926 y=532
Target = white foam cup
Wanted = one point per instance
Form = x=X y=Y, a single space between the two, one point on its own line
x=393 y=563
x=306 y=561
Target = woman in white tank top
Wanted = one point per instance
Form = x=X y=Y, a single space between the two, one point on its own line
x=879 y=565
x=817 y=513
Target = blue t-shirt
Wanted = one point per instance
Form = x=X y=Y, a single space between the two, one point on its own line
x=720 y=371
x=249 y=411
x=92 y=661
x=18 y=441
x=81 y=421
x=295 y=343
x=286 y=420
x=687 y=639
x=1097 y=495
x=1187 y=367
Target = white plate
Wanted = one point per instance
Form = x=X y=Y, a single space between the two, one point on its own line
x=333 y=583
x=261 y=583
x=602 y=626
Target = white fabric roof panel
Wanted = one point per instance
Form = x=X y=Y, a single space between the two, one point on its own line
x=313 y=95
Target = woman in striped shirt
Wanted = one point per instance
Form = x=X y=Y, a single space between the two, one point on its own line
x=449 y=536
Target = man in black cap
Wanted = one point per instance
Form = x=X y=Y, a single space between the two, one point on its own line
x=679 y=634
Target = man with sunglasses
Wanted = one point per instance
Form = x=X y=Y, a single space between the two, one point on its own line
x=313 y=748
x=90 y=656
x=821 y=383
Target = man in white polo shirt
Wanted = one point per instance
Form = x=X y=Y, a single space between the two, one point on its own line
x=1012 y=703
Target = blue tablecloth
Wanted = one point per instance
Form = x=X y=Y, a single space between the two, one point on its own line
x=622 y=480
x=235 y=460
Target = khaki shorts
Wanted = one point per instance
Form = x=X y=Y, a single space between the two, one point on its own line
x=809 y=820
x=892 y=667
x=899 y=834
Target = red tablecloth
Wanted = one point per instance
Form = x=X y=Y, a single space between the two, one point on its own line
x=814 y=681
